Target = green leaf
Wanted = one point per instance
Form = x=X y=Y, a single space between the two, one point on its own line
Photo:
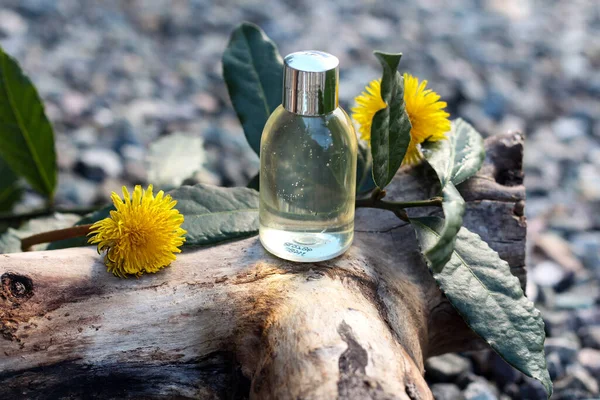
x=479 y=284
x=214 y=214
x=458 y=158
x=253 y=72
x=82 y=240
x=26 y=136
x=364 y=169
x=390 y=130
x=454 y=208
x=174 y=158
x=454 y=160
x=10 y=190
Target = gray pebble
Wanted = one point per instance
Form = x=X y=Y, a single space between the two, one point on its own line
x=565 y=347
x=447 y=367
x=446 y=391
x=481 y=391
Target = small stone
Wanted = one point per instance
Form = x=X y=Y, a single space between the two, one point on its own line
x=11 y=23
x=589 y=176
x=578 y=378
x=565 y=347
x=98 y=164
x=104 y=117
x=567 y=128
x=446 y=391
x=558 y=322
x=481 y=391
x=532 y=390
x=136 y=173
x=37 y=8
x=558 y=249
x=587 y=317
x=74 y=103
x=447 y=367
x=554 y=365
x=550 y=274
x=586 y=246
x=590 y=360
x=206 y=103
x=590 y=336
x=578 y=297
x=125 y=136
x=75 y=190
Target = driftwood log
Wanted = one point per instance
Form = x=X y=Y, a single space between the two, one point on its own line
x=232 y=322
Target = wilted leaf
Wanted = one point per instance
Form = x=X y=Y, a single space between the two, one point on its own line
x=174 y=158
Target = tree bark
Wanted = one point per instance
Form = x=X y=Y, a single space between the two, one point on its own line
x=231 y=321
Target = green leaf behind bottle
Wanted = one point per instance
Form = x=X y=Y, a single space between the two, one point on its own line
x=26 y=136
x=479 y=284
x=253 y=73
x=214 y=214
x=390 y=130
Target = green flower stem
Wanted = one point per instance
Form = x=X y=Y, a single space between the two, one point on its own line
x=52 y=236
x=397 y=207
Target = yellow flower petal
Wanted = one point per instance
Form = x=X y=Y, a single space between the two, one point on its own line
x=425 y=111
x=141 y=235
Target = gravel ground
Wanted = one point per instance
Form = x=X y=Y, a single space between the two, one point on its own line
x=117 y=75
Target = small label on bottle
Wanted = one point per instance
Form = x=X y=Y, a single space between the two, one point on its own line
x=296 y=249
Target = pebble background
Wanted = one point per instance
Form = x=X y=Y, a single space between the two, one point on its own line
x=118 y=74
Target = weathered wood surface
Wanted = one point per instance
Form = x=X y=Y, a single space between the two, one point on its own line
x=234 y=322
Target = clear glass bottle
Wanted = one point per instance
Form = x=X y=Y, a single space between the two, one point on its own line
x=308 y=165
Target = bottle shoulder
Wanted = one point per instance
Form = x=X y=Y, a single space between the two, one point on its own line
x=336 y=121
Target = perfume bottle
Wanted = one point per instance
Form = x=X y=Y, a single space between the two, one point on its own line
x=308 y=165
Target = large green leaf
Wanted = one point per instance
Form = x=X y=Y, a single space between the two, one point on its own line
x=390 y=130
x=253 y=72
x=479 y=284
x=458 y=158
x=214 y=214
x=82 y=240
x=26 y=136
x=10 y=190
x=454 y=160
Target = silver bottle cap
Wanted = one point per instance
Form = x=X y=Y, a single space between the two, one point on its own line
x=310 y=82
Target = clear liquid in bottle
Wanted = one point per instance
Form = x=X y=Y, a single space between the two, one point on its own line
x=307 y=185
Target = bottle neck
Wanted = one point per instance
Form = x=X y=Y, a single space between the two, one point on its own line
x=310 y=93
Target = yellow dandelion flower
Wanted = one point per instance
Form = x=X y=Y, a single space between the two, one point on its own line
x=368 y=103
x=142 y=235
x=425 y=111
